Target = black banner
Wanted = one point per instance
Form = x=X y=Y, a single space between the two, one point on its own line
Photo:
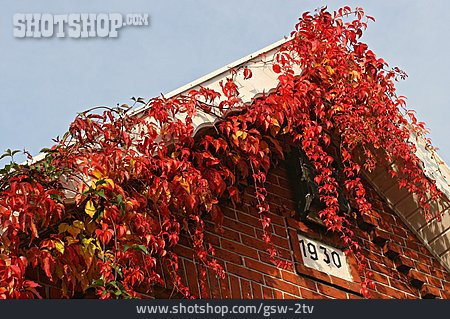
x=210 y=309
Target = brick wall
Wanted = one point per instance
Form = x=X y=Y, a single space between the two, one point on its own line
x=402 y=267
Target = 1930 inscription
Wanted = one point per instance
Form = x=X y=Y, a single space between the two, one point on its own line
x=324 y=258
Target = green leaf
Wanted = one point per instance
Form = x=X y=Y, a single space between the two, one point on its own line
x=56 y=197
x=100 y=182
x=136 y=247
x=101 y=193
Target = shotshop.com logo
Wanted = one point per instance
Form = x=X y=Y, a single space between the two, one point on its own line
x=74 y=25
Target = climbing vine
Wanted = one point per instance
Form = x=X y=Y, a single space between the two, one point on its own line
x=105 y=207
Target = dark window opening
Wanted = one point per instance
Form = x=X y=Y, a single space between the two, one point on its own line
x=306 y=190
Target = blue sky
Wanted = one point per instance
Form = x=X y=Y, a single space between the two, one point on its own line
x=45 y=82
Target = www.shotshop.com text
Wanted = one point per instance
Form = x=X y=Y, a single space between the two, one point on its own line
x=265 y=310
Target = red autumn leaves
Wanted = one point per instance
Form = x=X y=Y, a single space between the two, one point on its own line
x=144 y=183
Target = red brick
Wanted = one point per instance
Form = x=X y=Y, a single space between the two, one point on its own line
x=239 y=226
x=248 y=219
x=436 y=272
x=412 y=245
x=267 y=292
x=280 y=172
x=289 y=296
x=282 y=254
x=350 y=285
x=298 y=225
x=251 y=273
x=392 y=250
x=308 y=294
x=372 y=247
x=374 y=256
x=229 y=212
x=246 y=289
x=388 y=218
x=429 y=292
x=352 y=296
x=298 y=280
x=401 y=285
x=379 y=237
x=447 y=276
x=230 y=234
x=367 y=222
x=422 y=267
x=399 y=231
x=235 y=287
x=397 y=239
x=184 y=251
x=238 y=248
x=280 y=230
x=403 y=264
x=445 y=294
x=245 y=273
x=225 y=288
x=434 y=282
x=380 y=278
x=271 y=270
x=272 y=179
x=397 y=294
x=424 y=259
x=276 y=219
x=410 y=253
x=215 y=291
x=276 y=240
x=377 y=295
x=212 y=239
x=277 y=294
x=283 y=286
x=416 y=278
x=423 y=250
x=331 y=291
x=229 y=256
x=257 y=291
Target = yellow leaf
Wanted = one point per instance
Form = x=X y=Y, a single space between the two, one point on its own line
x=89 y=245
x=90 y=208
x=70 y=240
x=274 y=122
x=59 y=245
x=168 y=194
x=329 y=69
x=74 y=231
x=274 y=127
x=78 y=224
x=76 y=228
x=355 y=75
x=88 y=250
x=109 y=181
x=185 y=184
x=97 y=174
x=241 y=134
